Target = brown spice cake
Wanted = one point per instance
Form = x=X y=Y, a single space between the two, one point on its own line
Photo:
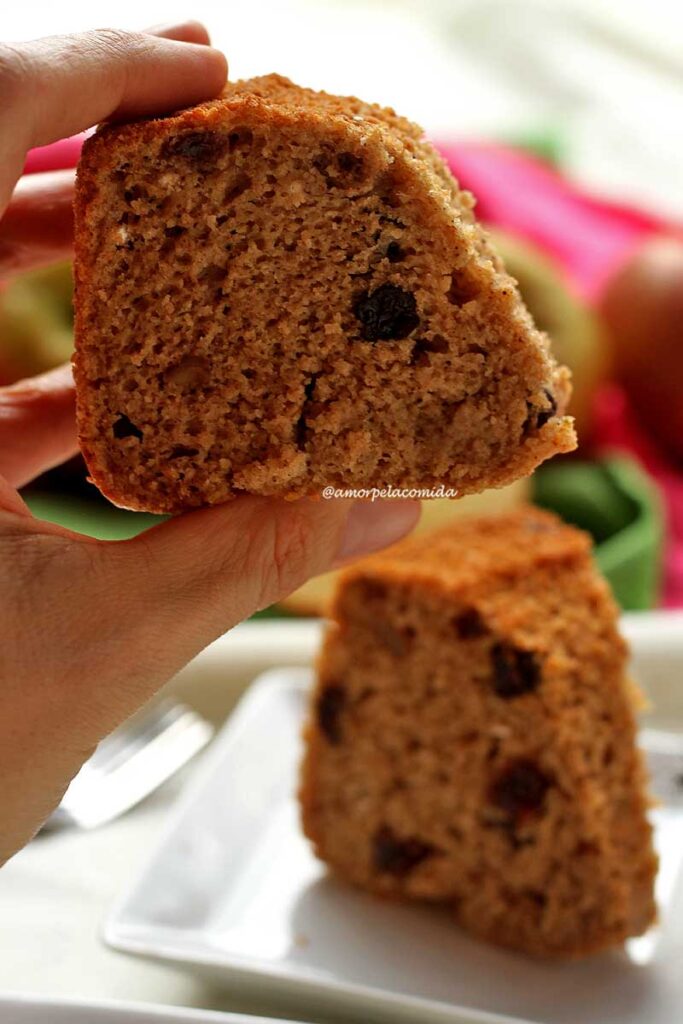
x=281 y=290
x=472 y=737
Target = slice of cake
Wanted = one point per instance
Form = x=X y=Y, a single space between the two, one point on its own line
x=472 y=737
x=282 y=290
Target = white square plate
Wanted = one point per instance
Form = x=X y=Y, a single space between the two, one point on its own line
x=234 y=889
x=20 y=1009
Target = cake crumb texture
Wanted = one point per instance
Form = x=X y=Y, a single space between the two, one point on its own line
x=471 y=738
x=282 y=290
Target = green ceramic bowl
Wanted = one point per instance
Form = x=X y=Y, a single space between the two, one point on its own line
x=616 y=502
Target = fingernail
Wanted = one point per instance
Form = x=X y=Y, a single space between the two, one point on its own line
x=373 y=525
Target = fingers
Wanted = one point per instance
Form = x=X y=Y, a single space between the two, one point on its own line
x=188 y=580
x=37 y=425
x=60 y=85
x=94 y=630
x=11 y=502
x=373 y=525
x=187 y=32
x=37 y=226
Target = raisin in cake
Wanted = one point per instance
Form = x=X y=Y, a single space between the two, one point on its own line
x=281 y=290
x=472 y=738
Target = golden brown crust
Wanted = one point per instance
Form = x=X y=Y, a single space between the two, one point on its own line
x=472 y=738
x=468 y=398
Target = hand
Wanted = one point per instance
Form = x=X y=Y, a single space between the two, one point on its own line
x=90 y=630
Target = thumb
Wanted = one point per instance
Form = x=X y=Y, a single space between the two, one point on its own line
x=185 y=582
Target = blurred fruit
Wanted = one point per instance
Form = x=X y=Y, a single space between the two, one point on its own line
x=575 y=333
x=36 y=322
x=314 y=597
x=643 y=309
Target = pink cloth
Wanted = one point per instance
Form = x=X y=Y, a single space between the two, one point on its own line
x=56 y=157
x=588 y=237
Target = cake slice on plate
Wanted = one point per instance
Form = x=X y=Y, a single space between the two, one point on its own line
x=283 y=290
x=472 y=737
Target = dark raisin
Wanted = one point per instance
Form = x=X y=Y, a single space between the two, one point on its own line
x=331 y=704
x=175 y=231
x=300 y=429
x=124 y=428
x=349 y=162
x=131 y=194
x=394 y=252
x=469 y=624
x=300 y=432
x=537 y=418
x=240 y=137
x=181 y=451
x=543 y=415
x=394 y=856
x=515 y=671
x=520 y=790
x=387 y=313
x=203 y=148
x=321 y=162
x=539 y=899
